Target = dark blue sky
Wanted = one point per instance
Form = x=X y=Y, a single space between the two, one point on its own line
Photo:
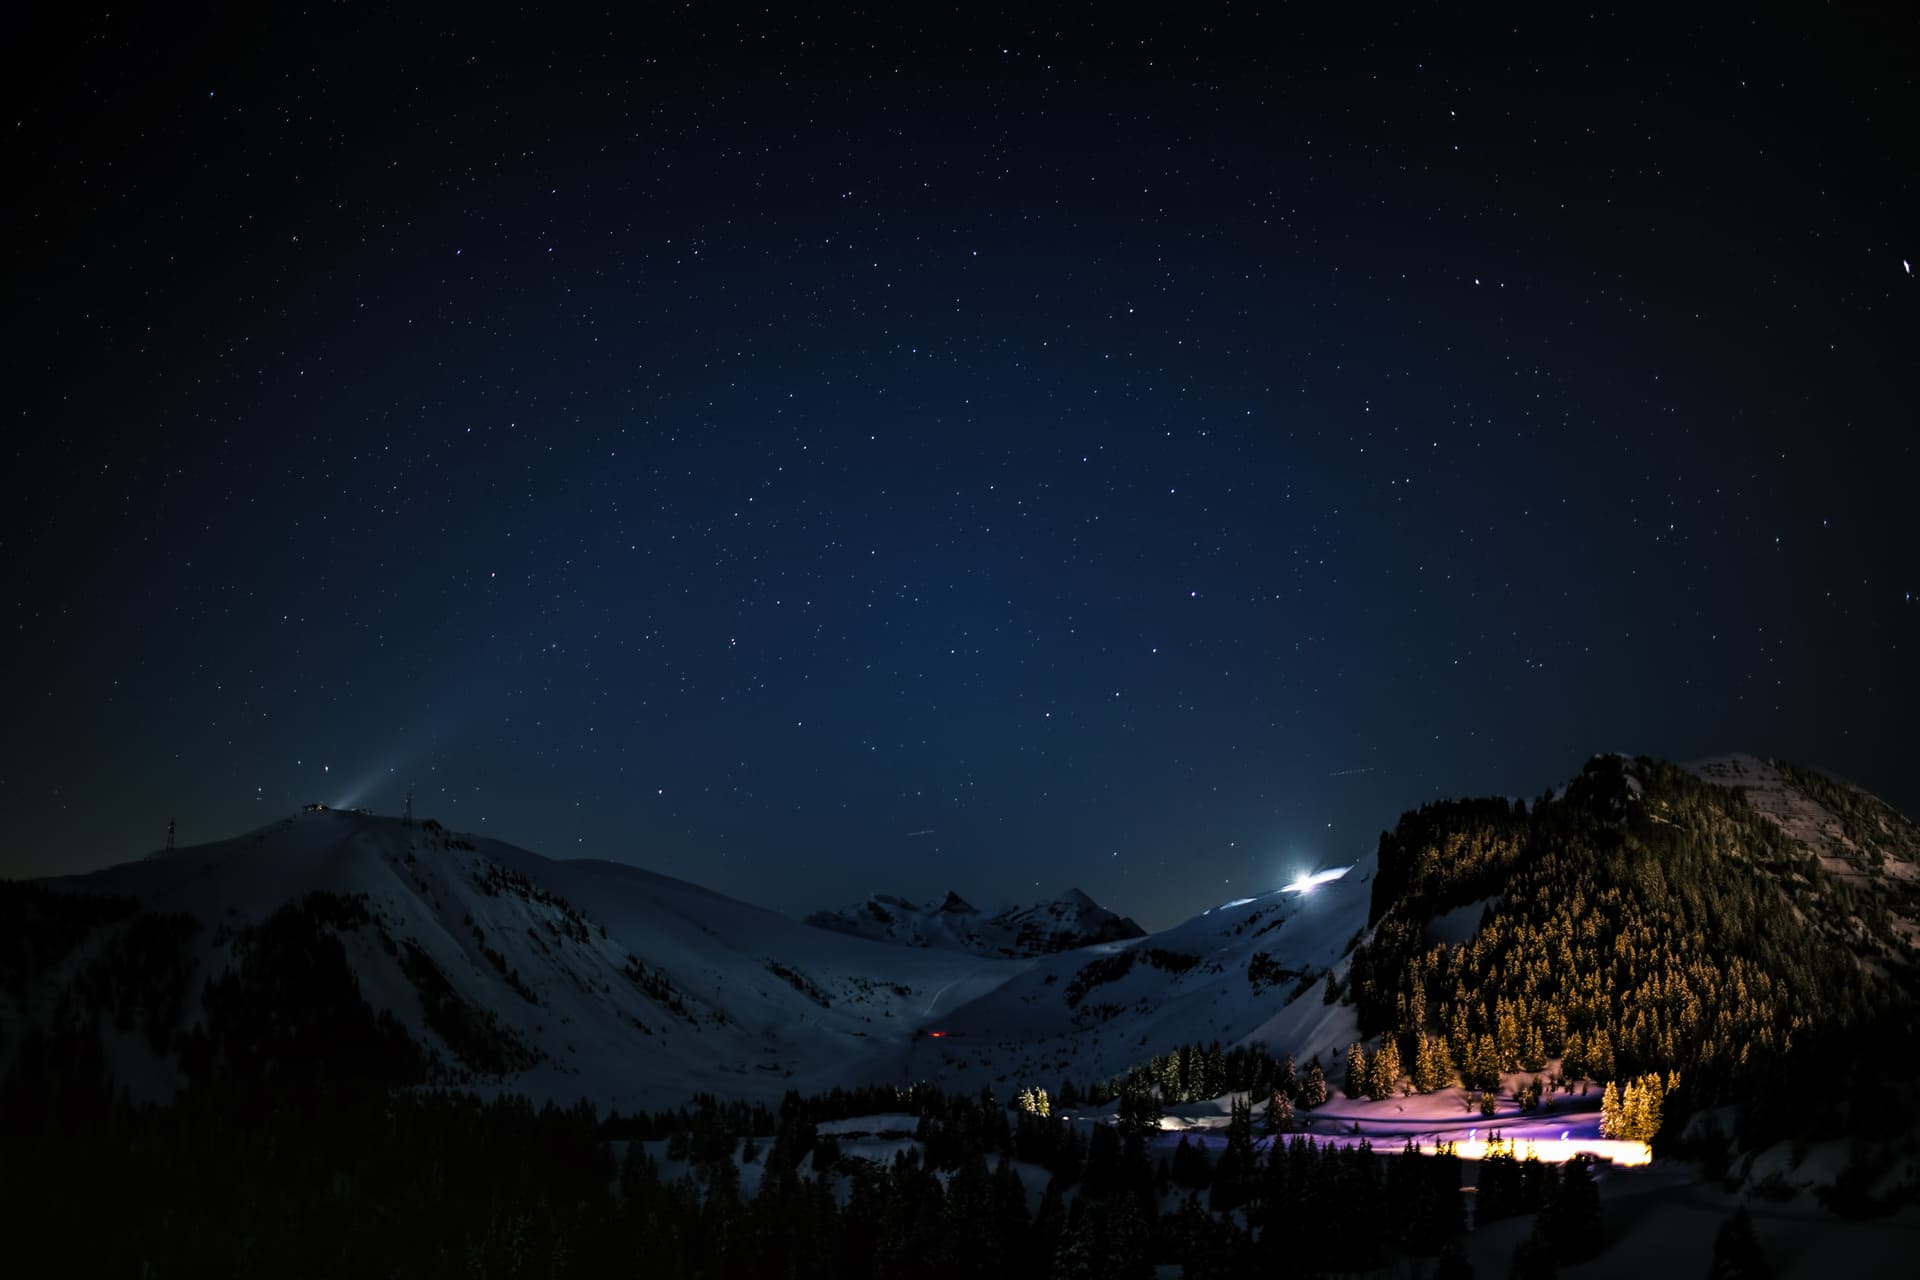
x=1145 y=455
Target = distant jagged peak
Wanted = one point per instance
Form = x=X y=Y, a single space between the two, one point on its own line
x=1071 y=920
x=954 y=904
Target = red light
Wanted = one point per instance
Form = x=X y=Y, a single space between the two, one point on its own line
x=936 y=1034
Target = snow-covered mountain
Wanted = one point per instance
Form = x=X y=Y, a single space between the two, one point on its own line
x=1072 y=920
x=1253 y=971
x=570 y=979
x=563 y=979
x=1856 y=838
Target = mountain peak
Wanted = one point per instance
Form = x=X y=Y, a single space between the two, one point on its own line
x=1069 y=921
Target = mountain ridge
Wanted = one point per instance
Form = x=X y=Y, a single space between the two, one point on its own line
x=570 y=978
x=633 y=987
x=1066 y=922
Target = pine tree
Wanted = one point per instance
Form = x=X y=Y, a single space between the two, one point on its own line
x=1278 y=1117
x=1075 y=1256
x=1191 y=1168
x=1487 y=1064
x=1126 y=1241
x=1383 y=1072
x=1553 y=1038
x=1433 y=1065
x=1736 y=1251
x=1139 y=1111
x=1532 y=1260
x=1010 y=1210
x=1235 y=1173
x=1416 y=1010
x=1354 y=1083
x=1045 y=1235
x=1638 y=1112
x=1215 y=1079
x=1600 y=1054
x=1459 y=1035
x=1533 y=1055
x=1288 y=1083
x=1572 y=1217
x=1507 y=1039
x=1166 y=1073
x=1497 y=1187
x=1313 y=1089
x=1573 y=1063
x=1423 y=1065
x=1611 y=1117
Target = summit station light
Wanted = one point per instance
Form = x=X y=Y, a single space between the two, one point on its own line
x=1305 y=883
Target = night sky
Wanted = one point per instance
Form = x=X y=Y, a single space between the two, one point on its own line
x=818 y=456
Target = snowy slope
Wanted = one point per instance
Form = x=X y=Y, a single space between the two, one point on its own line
x=606 y=981
x=632 y=988
x=1069 y=921
x=1248 y=972
x=1858 y=839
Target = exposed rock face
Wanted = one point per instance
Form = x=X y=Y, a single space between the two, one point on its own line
x=1855 y=836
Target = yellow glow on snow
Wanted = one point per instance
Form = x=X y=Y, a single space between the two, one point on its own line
x=1550 y=1150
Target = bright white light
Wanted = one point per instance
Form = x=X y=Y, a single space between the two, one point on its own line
x=1304 y=883
x=1549 y=1150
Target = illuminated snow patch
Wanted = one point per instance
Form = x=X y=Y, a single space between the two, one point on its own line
x=1304 y=883
x=1552 y=1150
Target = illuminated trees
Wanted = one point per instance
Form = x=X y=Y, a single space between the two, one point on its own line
x=1432 y=1065
x=1313 y=1089
x=1642 y=921
x=1633 y=1114
x=1612 y=1123
x=1278 y=1115
x=1383 y=1072
x=1482 y=1067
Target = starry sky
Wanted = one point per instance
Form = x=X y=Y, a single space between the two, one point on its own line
x=910 y=449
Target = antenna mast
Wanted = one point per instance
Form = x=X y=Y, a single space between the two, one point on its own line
x=169 y=835
x=406 y=819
